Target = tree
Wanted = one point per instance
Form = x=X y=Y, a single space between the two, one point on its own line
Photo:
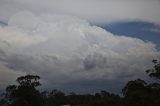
x=56 y=98
x=135 y=93
x=139 y=93
x=155 y=71
x=25 y=93
x=3 y=102
x=132 y=86
x=29 y=81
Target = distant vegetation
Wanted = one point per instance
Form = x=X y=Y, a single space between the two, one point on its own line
x=135 y=93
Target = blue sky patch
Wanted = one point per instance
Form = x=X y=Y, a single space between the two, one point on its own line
x=143 y=30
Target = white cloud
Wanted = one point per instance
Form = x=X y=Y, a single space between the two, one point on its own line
x=14 y=36
x=17 y=39
x=98 y=11
x=63 y=49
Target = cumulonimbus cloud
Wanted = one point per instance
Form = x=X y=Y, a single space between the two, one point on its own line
x=64 y=49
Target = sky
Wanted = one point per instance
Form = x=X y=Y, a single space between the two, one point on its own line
x=78 y=45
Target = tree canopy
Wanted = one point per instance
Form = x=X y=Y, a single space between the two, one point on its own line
x=135 y=93
x=155 y=71
x=25 y=93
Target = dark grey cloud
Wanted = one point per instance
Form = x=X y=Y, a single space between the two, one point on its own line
x=95 y=60
x=3 y=23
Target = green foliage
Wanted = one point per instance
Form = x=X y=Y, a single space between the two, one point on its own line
x=29 y=81
x=2 y=102
x=24 y=94
x=133 y=85
x=105 y=99
x=139 y=93
x=56 y=98
x=155 y=71
x=135 y=93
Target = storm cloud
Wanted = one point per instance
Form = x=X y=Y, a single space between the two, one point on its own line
x=65 y=49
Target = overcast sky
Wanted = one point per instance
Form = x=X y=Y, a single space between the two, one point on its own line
x=59 y=40
x=92 y=10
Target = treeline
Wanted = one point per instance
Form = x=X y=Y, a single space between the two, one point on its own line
x=135 y=93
